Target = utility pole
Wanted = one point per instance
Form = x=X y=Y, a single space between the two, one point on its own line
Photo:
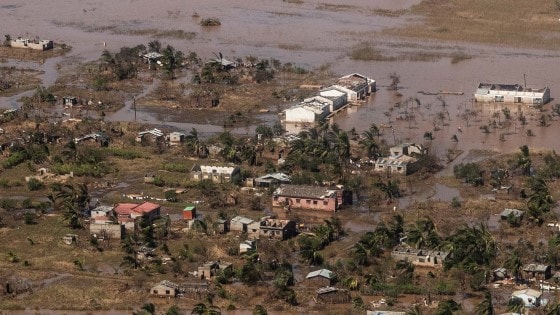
x=524 y=81
x=134 y=104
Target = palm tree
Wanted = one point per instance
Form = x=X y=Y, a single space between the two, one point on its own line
x=391 y=189
x=553 y=309
x=485 y=307
x=415 y=310
x=514 y=264
x=524 y=161
x=369 y=144
x=202 y=309
x=423 y=234
x=70 y=151
x=471 y=245
x=260 y=310
x=516 y=305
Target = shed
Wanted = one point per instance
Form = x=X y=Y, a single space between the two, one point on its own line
x=246 y=246
x=69 y=101
x=240 y=224
x=189 y=213
x=511 y=212
x=322 y=277
x=537 y=270
x=500 y=274
x=332 y=295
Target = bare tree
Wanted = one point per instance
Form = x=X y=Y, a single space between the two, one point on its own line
x=395 y=80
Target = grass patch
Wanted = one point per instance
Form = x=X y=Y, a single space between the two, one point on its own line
x=290 y=46
x=459 y=56
x=516 y=23
x=367 y=52
x=176 y=167
x=126 y=154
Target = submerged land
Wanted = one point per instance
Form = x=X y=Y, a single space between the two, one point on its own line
x=131 y=106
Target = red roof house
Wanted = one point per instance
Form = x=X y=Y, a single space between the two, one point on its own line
x=128 y=212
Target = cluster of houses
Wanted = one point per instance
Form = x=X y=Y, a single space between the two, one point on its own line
x=174 y=138
x=349 y=88
x=112 y=222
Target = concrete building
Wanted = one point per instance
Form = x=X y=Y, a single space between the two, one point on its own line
x=210 y=269
x=531 y=298
x=511 y=93
x=309 y=111
x=420 y=257
x=408 y=149
x=107 y=230
x=217 y=174
x=127 y=213
x=307 y=197
x=165 y=289
x=276 y=229
x=336 y=97
x=176 y=138
x=272 y=179
x=400 y=164
x=32 y=43
x=356 y=86
x=155 y=133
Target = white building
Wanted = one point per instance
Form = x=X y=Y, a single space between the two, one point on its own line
x=511 y=93
x=33 y=44
x=217 y=174
x=308 y=111
x=356 y=86
x=530 y=297
x=337 y=98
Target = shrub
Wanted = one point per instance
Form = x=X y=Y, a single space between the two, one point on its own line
x=158 y=181
x=171 y=196
x=15 y=159
x=29 y=218
x=124 y=154
x=35 y=184
x=176 y=167
x=8 y=204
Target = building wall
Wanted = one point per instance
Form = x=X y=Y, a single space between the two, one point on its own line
x=299 y=114
x=394 y=169
x=327 y=204
x=160 y=290
x=527 y=98
x=42 y=45
x=319 y=282
x=114 y=231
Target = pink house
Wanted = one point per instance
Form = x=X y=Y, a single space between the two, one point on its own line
x=307 y=197
x=127 y=213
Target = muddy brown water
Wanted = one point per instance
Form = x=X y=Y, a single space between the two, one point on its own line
x=274 y=29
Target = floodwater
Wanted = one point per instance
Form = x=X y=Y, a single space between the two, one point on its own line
x=273 y=29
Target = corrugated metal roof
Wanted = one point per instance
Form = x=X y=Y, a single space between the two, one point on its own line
x=325 y=273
